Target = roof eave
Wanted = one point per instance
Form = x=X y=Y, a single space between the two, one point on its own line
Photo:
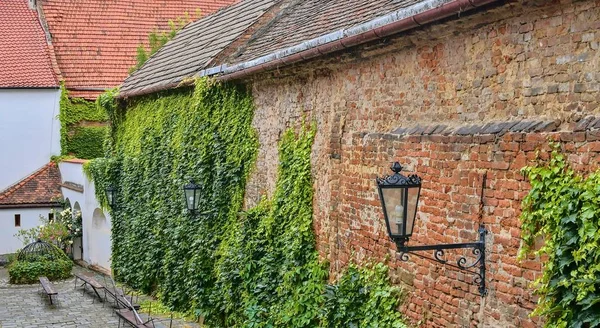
x=31 y=205
x=375 y=29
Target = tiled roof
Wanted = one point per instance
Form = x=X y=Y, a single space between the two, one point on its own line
x=40 y=188
x=25 y=59
x=204 y=48
x=310 y=19
x=194 y=48
x=95 y=41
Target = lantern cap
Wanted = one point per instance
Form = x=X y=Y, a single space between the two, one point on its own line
x=398 y=179
x=191 y=185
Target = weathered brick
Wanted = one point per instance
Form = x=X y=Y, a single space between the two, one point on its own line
x=583 y=124
x=450 y=122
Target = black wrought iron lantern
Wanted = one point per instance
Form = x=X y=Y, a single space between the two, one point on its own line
x=399 y=198
x=192 y=196
x=111 y=195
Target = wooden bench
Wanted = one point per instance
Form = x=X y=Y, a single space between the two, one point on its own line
x=48 y=288
x=121 y=300
x=137 y=321
x=96 y=286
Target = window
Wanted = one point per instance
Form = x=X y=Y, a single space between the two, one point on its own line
x=50 y=217
x=17 y=220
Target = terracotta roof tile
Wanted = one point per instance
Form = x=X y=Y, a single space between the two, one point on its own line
x=40 y=188
x=25 y=58
x=95 y=41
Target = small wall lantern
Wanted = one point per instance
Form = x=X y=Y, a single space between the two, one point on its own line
x=399 y=199
x=111 y=194
x=192 y=196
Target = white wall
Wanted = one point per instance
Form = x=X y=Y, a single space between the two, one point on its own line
x=96 y=223
x=29 y=131
x=30 y=217
x=99 y=239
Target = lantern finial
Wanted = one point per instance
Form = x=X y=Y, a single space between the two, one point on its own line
x=396 y=167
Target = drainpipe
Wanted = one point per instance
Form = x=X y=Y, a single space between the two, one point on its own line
x=428 y=16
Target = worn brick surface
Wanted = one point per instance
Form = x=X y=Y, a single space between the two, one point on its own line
x=452 y=101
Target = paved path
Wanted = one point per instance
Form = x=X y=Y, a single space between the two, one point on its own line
x=26 y=306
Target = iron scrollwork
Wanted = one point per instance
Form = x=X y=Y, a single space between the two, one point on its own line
x=462 y=261
x=439 y=255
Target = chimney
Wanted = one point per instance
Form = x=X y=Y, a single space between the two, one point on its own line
x=32 y=4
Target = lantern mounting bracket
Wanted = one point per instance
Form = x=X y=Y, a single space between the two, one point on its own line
x=462 y=262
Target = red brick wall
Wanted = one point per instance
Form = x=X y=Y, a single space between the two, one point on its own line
x=452 y=168
x=525 y=61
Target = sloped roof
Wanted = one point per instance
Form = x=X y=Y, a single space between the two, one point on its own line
x=25 y=58
x=194 y=48
x=42 y=188
x=95 y=41
x=310 y=19
x=292 y=31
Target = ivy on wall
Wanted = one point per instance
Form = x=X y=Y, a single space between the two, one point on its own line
x=83 y=127
x=564 y=208
x=255 y=268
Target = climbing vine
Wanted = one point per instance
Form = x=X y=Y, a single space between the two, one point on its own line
x=157 y=39
x=564 y=208
x=83 y=127
x=234 y=268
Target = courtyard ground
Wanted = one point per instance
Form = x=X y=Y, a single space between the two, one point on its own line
x=26 y=306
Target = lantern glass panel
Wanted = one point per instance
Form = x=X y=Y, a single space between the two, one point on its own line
x=412 y=202
x=394 y=200
x=197 y=199
x=109 y=196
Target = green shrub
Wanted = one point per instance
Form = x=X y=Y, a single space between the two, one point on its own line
x=363 y=297
x=21 y=272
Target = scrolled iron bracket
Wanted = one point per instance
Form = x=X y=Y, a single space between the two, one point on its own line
x=439 y=255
